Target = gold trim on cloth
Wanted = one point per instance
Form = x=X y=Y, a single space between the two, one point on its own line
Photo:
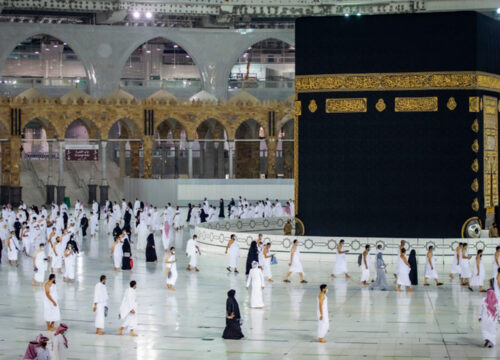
x=380 y=105
x=397 y=81
x=475 y=204
x=355 y=105
x=475 y=146
x=475 y=166
x=312 y=106
x=490 y=153
x=475 y=185
x=298 y=107
x=296 y=155
x=475 y=126
x=451 y=104
x=474 y=104
x=416 y=104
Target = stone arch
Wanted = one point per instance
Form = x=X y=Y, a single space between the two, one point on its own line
x=34 y=136
x=90 y=127
x=124 y=128
x=171 y=148
x=211 y=142
x=62 y=43
x=250 y=52
x=160 y=52
x=250 y=149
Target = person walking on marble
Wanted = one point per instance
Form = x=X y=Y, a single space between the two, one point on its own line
x=268 y=257
x=100 y=308
x=478 y=272
x=340 y=261
x=455 y=267
x=365 y=266
x=171 y=269
x=234 y=253
x=193 y=251
x=50 y=303
x=496 y=262
x=489 y=318
x=39 y=266
x=404 y=272
x=128 y=310
x=256 y=280
x=322 y=313
x=12 y=248
x=465 y=272
x=295 y=265
x=430 y=268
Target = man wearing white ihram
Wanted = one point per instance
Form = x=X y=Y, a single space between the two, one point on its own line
x=193 y=251
x=256 y=279
x=51 y=310
x=322 y=312
x=340 y=261
x=39 y=266
x=295 y=266
x=365 y=266
x=128 y=310
x=234 y=253
x=100 y=304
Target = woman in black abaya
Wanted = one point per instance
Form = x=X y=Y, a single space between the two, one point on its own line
x=127 y=254
x=233 y=317
x=412 y=260
x=253 y=255
x=151 y=249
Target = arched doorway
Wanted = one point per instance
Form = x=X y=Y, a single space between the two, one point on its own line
x=170 y=153
x=285 y=149
x=161 y=63
x=210 y=150
x=251 y=150
x=42 y=60
x=268 y=64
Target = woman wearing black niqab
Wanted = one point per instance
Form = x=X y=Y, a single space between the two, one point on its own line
x=412 y=260
x=233 y=326
x=253 y=255
x=221 y=208
x=151 y=249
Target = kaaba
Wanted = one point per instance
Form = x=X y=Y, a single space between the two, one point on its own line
x=396 y=124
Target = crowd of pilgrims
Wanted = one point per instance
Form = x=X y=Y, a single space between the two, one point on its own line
x=29 y=230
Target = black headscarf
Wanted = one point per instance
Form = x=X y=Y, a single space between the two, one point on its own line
x=253 y=255
x=189 y=212
x=412 y=260
x=232 y=306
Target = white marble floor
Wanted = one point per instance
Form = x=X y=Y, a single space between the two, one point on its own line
x=187 y=324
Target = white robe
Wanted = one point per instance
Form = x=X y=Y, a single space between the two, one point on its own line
x=340 y=263
x=478 y=279
x=465 y=272
x=94 y=224
x=365 y=270
x=101 y=299
x=142 y=236
x=495 y=266
x=41 y=265
x=192 y=252
x=128 y=304
x=323 y=325
x=430 y=273
x=296 y=266
x=234 y=254
x=12 y=253
x=178 y=230
x=57 y=260
x=51 y=313
x=403 y=274
x=118 y=255
x=58 y=348
x=172 y=274
x=267 y=268
x=488 y=323
x=69 y=265
x=256 y=280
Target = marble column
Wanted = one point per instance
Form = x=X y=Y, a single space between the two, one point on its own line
x=15 y=192
x=190 y=158
x=5 y=188
x=122 y=159
x=61 y=189
x=92 y=184
x=271 y=158
x=135 y=147
x=147 y=159
x=49 y=186
x=103 y=188
x=221 y=168
x=231 y=161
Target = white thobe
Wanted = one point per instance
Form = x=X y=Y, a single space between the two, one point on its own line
x=41 y=266
x=256 y=280
x=58 y=348
x=51 y=313
x=488 y=323
x=192 y=252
